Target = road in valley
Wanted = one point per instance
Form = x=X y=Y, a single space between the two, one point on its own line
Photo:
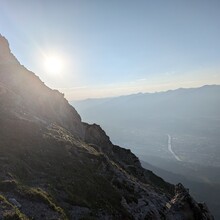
x=170 y=148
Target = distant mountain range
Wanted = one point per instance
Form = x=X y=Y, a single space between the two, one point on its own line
x=203 y=102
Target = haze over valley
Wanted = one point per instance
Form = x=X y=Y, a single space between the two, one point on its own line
x=177 y=131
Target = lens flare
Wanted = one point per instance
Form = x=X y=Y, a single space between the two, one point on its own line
x=53 y=64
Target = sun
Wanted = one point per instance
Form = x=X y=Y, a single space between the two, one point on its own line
x=53 y=64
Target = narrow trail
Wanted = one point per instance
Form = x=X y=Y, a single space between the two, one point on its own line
x=170 y=148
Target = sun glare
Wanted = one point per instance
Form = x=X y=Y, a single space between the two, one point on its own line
x=53 y=64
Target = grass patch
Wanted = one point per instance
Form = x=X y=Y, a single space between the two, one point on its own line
x=40 y=195
x=12 y=212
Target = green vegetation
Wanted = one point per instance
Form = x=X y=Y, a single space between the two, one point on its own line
x=39 y=194
x=11 y=212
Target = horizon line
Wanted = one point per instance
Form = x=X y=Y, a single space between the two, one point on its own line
x=143 y=93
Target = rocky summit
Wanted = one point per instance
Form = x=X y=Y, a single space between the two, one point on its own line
x=54 y=166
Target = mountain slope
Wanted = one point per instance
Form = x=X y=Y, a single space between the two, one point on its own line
x=144 y=121
x=56 y=167
x=182 y=105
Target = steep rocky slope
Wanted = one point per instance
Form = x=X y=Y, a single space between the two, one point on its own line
x=53 y=166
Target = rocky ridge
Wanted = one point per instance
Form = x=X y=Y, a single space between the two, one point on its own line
x=54 y=166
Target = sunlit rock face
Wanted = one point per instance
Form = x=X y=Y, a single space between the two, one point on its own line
x=53 y=166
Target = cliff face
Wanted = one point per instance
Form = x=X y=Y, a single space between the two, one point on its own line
x=56 y=167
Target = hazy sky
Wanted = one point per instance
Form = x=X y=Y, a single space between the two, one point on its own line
x=115 y=47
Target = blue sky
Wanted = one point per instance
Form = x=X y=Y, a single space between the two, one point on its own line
x=117 y=47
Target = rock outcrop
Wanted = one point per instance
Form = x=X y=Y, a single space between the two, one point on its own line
x=54 y=166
